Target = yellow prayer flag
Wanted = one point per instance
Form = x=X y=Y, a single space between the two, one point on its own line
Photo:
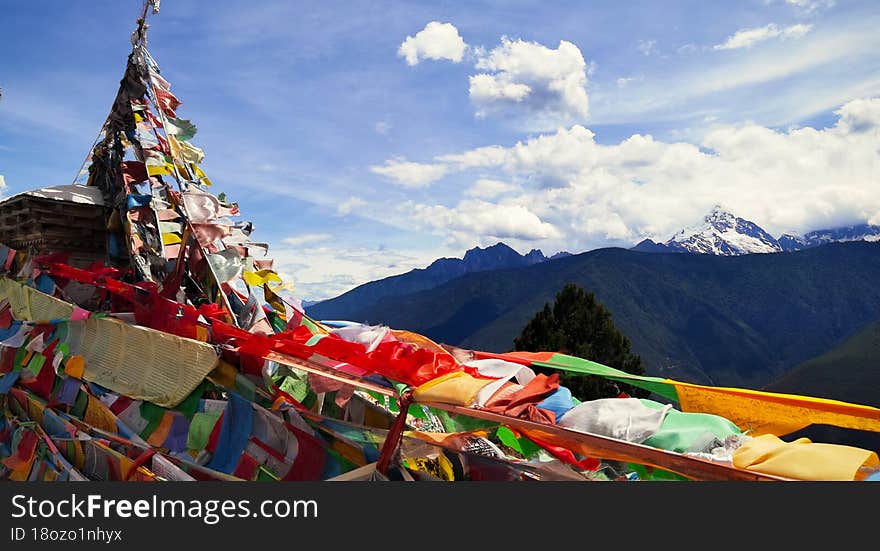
x=767 y=412
x=803 y=459
x=185 y=151
x=166 y=168
x=201 y=177
x=257 y=279
x=170 y=238
x=184 y=172
x=456 y=387
x=223 y=374
x=99 y=416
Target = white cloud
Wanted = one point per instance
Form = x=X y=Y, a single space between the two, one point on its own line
x=746 y=38
x=487 y=88
x=436 y=41
x=550 y=84
x=346 y=207
x=810 y=6
x=861 y=115
x=321 y=272
x=544 y=159
x=477 y=219
x=532 y=85
x=486 y=188
x=647 y=47
x=306 y=238
x=686 y=49
x=408 y=174
x=382 y=127
x=573 y=193
x=833 y=62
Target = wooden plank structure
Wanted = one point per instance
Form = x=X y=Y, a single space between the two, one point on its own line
x=57 y=219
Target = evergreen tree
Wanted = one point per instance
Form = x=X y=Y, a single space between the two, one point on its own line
x=578 y=325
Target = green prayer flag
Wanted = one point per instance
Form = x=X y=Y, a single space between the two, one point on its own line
x=265 y=475
x=36 y=364
x=521 y=445
x=688 y=431
x=573 y=364
x=277 y=323
x=314 y=339
x=80 y=405
x=153 y=415
x=200 y=430
x=190 y=404
x=20 y=355
x=182 y=129
x=310 y=324
x=295 y=386
x=461 y=423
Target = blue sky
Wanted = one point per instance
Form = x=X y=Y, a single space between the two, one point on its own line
x=364 y=139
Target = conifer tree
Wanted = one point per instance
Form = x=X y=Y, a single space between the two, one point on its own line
x=578 y=325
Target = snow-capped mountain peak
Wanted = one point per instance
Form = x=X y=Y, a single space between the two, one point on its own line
x=721 y=233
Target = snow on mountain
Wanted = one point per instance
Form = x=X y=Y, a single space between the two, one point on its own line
x=858 y=232
x=721 y=233
x=791 y=241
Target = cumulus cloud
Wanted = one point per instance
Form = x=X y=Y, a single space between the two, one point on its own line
x=533 y=85
x=857 y=116
x=542 y=160
x=486 y=188
x=408 y=174
x=549 y=83
x=475 y=219
x=746 y=38
x=487 y=88
x=436 y=41
x=573 y=193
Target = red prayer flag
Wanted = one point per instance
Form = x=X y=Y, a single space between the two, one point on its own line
x=167 y=102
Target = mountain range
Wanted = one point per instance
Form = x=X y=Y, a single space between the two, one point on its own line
x=722 y=233
x=741 y=320
x=496 y=257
